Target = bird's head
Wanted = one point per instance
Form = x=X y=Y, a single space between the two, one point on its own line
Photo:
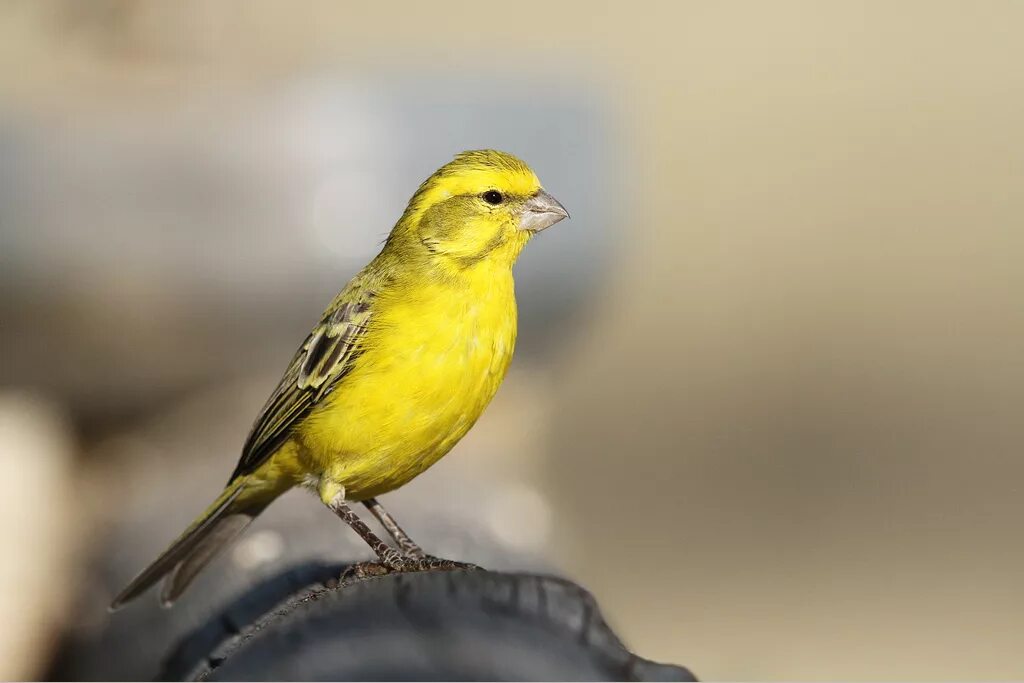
x=481 y=205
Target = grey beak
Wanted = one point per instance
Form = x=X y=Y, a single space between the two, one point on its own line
x=541 y=211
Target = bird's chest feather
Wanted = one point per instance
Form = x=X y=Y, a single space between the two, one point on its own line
x=446 y=354
x=431 y=364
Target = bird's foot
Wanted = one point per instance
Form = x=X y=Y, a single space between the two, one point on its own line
x=362 y=570
x=399 y=564
x=432 y=563
x=421 y=562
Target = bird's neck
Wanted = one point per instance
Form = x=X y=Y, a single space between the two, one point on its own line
x=494 y=260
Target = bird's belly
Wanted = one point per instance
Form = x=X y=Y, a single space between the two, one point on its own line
x=408 y=401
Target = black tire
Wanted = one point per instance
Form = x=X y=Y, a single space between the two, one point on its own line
x=456 y=625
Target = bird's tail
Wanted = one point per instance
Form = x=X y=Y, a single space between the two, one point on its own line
x=205 y=537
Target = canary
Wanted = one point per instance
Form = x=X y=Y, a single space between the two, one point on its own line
x=400 y=366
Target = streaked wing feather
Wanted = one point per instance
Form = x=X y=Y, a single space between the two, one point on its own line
x=326 y=357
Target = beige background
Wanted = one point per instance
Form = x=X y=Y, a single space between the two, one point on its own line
x=784 y=439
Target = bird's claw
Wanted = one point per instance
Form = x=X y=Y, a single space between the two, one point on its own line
x=428 y=562
x=362 y=570
x=398 y=564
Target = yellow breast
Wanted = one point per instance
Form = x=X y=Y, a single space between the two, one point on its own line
x=433 y=358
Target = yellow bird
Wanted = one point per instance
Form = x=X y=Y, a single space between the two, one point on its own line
x=399 y=368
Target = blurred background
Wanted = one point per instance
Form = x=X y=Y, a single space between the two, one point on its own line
x=767 y=401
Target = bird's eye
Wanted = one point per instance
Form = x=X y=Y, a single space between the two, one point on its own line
x=493 y=197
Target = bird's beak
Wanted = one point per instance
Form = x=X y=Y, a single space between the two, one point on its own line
x=541 y=211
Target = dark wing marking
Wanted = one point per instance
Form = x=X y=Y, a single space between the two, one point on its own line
x=326 y=356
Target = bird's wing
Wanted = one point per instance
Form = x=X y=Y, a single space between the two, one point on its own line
x=326 y=356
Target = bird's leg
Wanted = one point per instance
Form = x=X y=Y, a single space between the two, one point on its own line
x=389 y=557
x=406 y=544
x=422 y=561
x=409 y=547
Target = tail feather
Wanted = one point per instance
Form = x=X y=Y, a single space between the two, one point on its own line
x=225 y=530
x=191 y=551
